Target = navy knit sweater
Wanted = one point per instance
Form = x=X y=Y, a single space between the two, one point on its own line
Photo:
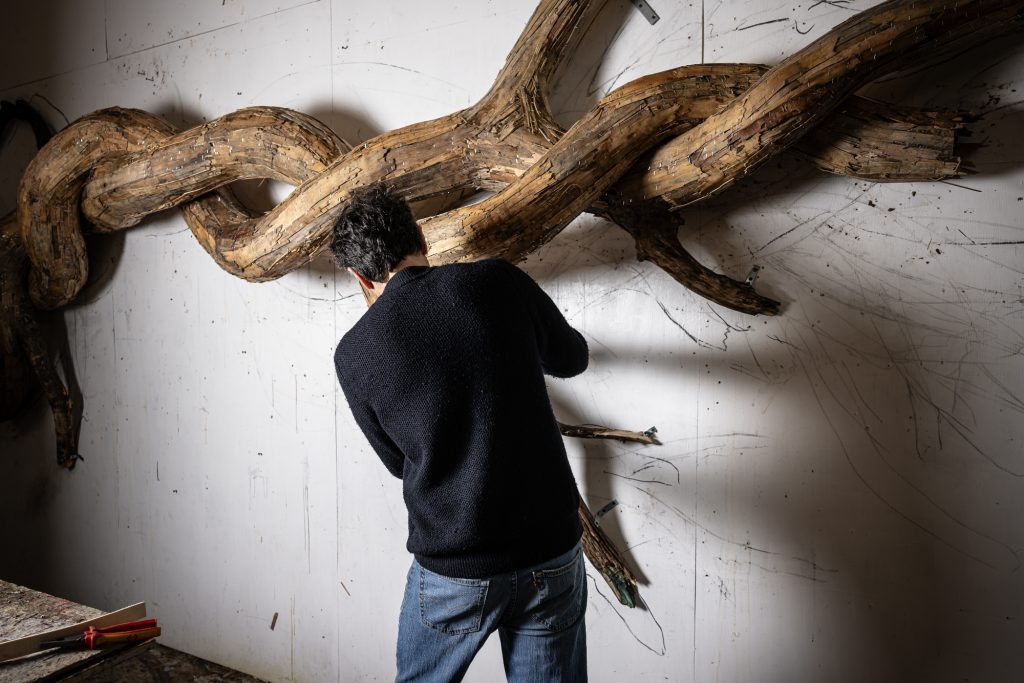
x=445 y=376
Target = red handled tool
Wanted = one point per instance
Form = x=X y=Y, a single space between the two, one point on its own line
x=92 y=638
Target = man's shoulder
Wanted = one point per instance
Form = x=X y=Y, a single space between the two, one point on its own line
x=351 y=352
x=342 y=363
x=341 y=350
x=489 y=271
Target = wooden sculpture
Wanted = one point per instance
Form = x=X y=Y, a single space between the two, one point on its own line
x=658 y=143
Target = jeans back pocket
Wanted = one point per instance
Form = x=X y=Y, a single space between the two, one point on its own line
x=451 y=605
x=561 y=593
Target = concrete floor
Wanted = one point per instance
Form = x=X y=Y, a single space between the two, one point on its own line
x=161 y=664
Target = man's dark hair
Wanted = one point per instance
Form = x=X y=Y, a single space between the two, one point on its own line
x=374 y=233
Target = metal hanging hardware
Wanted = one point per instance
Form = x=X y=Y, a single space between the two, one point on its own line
x=649 y=14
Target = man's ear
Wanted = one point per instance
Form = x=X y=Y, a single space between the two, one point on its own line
x=366 y=283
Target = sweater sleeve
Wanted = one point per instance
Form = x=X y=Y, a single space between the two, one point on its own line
x=563 y=350
x=386 y=449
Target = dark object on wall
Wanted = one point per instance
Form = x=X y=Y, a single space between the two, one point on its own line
x=25 y=357
x=20 y=110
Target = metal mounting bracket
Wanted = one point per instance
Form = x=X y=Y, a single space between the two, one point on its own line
x=604 y=511
x=649 y=14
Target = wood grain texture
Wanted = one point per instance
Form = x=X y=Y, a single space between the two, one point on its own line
x=121 y=166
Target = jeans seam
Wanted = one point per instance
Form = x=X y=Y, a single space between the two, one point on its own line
x=510 y=606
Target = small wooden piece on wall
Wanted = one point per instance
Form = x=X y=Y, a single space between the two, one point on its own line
x=606 y=559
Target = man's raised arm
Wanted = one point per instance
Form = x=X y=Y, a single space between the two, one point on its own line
x=563 y=350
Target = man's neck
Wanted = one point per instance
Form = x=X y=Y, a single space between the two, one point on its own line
x=414 y=260
x=418 y=259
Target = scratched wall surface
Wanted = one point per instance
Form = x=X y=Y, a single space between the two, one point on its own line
x=840 y=493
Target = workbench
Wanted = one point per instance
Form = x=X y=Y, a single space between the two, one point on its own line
x=24 y=612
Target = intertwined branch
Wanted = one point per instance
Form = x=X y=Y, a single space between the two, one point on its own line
x=719 y=122
x=651 y=146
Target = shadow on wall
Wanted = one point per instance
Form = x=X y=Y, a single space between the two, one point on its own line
x=27 y=472
x=850 y=525
x=575 y=89
x=900 y=526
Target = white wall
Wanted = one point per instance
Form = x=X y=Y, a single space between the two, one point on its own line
x=839 y=496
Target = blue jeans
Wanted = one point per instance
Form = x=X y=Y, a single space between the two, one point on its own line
x=538 y=613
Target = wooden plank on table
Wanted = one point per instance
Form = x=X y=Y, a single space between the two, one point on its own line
x=27 y=645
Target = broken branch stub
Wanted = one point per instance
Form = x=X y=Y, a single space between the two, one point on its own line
x=605 y=558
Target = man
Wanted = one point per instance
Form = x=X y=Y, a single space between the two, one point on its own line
x=444 y=374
